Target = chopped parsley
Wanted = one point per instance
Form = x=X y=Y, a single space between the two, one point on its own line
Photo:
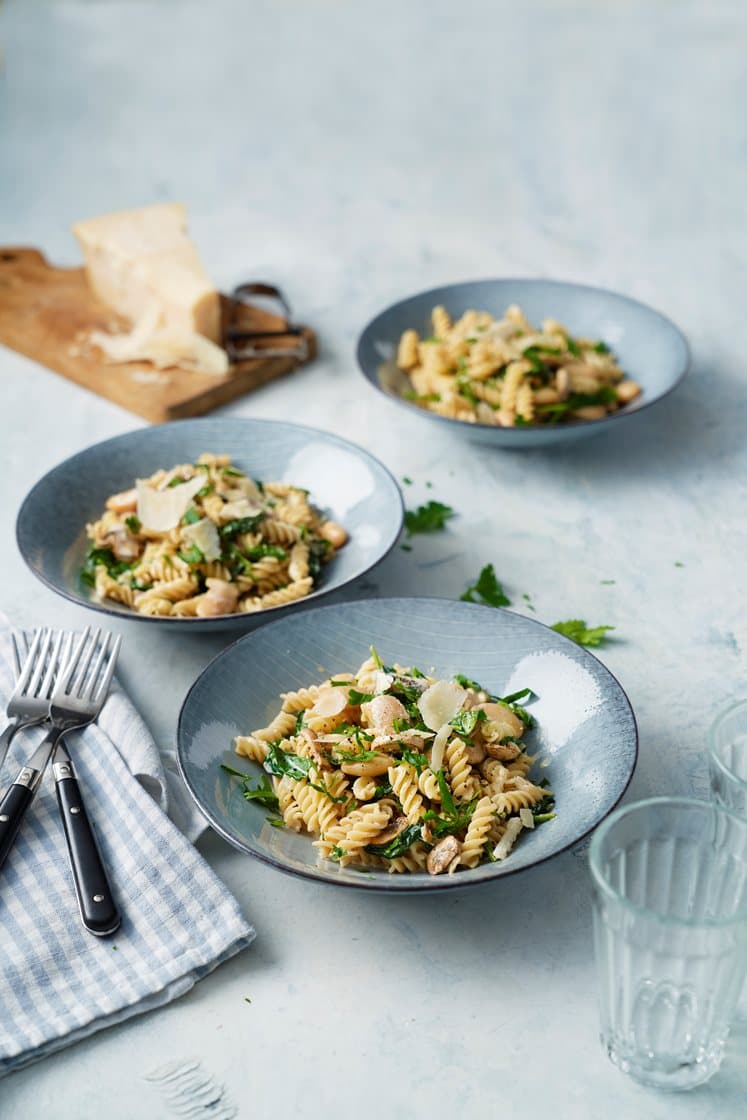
x=407 y=481
x=601 y=347
x=285 y=764
x=487 y=590
x=577 y=630
x=192 y=555
x=605 y=395
x=399 y=845
x=134 y=524
x=415 y=758
x=240 y=525
x=429 y=518
x=191 y=517
x=263 y=792
x=464 y=723
x=355 y=697
x=105 y=557
x=465 y=682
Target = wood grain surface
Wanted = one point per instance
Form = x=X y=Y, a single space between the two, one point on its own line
x=46 y=313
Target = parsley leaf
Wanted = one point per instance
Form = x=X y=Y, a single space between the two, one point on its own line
x=399 y=845
x=240 y=525
x=356 y=697
x=192 y=555
x=285 y=764
x=430 y=518
x=577 y=630
x=419 y=761
x=191 y=517
x=487 y=590
x=465 y=682
x=103 y=556
x=133 y=523
x=573 y=347
x=601 y=348
x=464 y=723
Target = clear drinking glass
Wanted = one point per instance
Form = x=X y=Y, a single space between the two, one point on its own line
x=727 y=747
x=670 y=934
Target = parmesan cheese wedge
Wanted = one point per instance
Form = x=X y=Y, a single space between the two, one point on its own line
x=161 y=510
x=438 y=705
x=205 y=535
x=142 y=264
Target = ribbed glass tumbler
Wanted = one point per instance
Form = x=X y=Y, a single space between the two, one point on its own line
x=727 y=749
x=670 y=933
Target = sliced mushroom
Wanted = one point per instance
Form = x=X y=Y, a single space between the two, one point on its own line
x=316 y=752
x=475 y=753
x=501 y=723
x=330 y=702
x=124 y=502
x=221 y=597
x=443 y=855
x=412 y=738
x=563 y=383
x=504 y=752
x=334 y=533
x=381 y=712
x=123 y=544
x=392 y=830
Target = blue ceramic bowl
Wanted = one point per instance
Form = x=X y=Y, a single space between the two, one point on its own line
x=585 y=739
x=650 y=348
x=354 y=487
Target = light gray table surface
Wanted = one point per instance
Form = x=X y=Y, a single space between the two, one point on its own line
x=355 y=153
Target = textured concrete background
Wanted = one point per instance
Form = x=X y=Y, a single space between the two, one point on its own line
x=355 y=153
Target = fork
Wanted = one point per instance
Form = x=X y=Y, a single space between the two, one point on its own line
x=29 y=703
x=77 y=699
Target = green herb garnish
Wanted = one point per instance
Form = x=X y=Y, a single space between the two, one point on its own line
x=465 y=682
x=399 y=845
x=573 y=347
x=464 y=723
x=240 y=525
x=192 y=555
x=284 y=763
x=429 y=518
x=105 y=557
x=355 y=697
x=601 y=347
x=415 y=758
x=134 y=524
x=577 y=630
x=191 y=517
x=486 y=590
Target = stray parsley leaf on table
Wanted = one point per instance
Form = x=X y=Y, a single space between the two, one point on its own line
x=430 y=518
x=487 y=590
x=577 y=630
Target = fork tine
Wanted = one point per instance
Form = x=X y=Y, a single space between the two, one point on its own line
x=109 y=673
x=63 y=685
x=18 y=662
x=53 y=667
x=93 y=678
x=82 y=674
x=39 y=663
x=30 y=661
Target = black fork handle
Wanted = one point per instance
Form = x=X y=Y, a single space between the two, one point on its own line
x=98 y=910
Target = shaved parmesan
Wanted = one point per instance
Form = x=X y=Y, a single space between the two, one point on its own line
x=440 y=703
x=161 y=510
x=439 y=746
x=507 y=841
x=526 y=816
x=205 y=535
x=382 y=681
x=164 y=349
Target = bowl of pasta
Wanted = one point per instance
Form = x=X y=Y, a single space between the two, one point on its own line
x=405 y=744
x=520 y=363
x=209 y=524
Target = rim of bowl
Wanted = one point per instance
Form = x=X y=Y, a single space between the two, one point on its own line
x=606 y=888
x=185 y=623
x=714 y=750
x=519 y=433
x=434 y=883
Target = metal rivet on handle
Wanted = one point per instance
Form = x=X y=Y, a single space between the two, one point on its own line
x=3 y=817
x=75 y=808
x=98 y=898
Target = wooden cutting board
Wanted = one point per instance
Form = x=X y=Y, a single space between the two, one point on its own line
x=46 y=313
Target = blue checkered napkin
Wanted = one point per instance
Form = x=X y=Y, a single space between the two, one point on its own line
x=58 y=983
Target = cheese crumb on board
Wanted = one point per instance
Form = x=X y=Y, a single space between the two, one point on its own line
x=142 y=264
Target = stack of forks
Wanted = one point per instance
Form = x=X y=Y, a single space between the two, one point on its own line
x=62 y=684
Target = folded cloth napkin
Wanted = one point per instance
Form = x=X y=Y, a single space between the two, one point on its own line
x=58 y=983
